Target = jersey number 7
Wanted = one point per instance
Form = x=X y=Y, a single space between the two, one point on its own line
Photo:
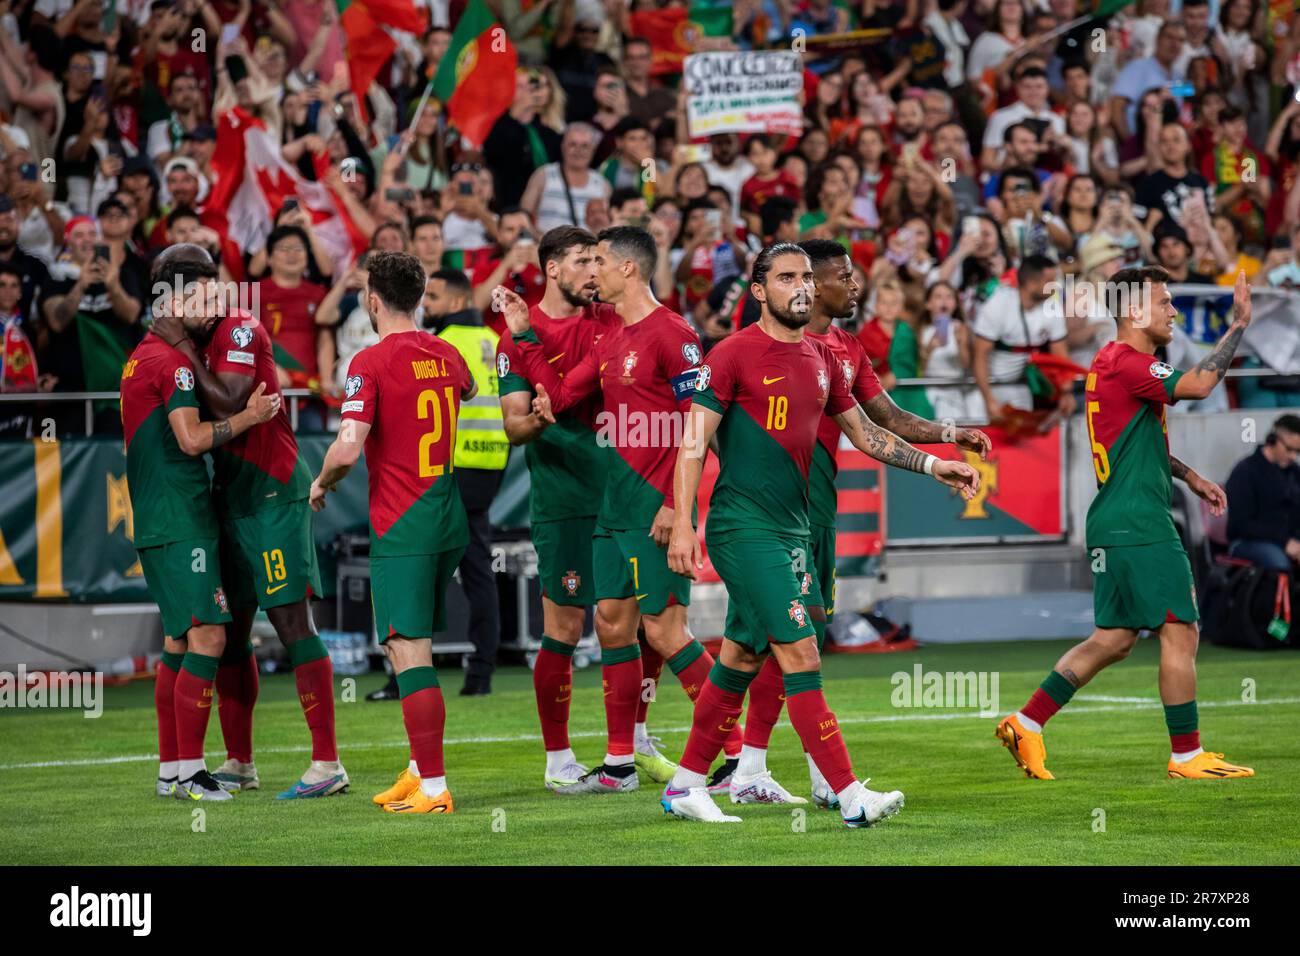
x=430 y=404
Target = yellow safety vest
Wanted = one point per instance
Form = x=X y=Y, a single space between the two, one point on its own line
x=481 y=440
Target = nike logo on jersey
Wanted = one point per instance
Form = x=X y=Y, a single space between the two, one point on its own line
x=772 y=381
x=277 y=588
x=831 y=734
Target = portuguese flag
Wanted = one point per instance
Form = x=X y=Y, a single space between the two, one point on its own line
x=476 y=78
x=672 y=32
x=369 y=47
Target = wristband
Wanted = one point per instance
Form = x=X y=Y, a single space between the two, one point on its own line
x=930 y=462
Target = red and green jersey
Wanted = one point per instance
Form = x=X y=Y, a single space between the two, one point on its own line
x=170 y=495
x=1127 y=392
x=853 y=365
x=407 y=387
x=261 y=468
x=645 y=373
x=566 y=466
x=290 y=316
x=773 y=397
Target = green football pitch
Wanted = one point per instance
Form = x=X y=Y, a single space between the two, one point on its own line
x=78 y=791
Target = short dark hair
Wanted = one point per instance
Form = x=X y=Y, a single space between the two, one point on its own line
x=774 y=212
x=181 y=212
x=456 y=281
x=633 y=243
x=1007 y=133
x=822 y=251
x=1140 y=275
x=1031 y=267
x=1031 y=72
x=764 y=260
x=759 y=139
x=1285 y=423
x=557 y=242
x=287 y=232
x=419 y=221
x=624 y=194
x=1015 y=173
x=629 y=124
x=185 y=262
x=700 y=202
x=11 y=269
x=397 y=278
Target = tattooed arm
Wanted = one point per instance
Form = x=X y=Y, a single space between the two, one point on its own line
x=1209 y=371
x=884 y=445
x=904 y=424
x=1203 y=488
x=195 y=437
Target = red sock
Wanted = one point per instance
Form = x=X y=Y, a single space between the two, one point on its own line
x=192 y=701
x=237 y=686
x=716 y=713
x=820 y=733
x=622 y=679
x=1184 y=743
x=315 y=680
x=425 y=716
x=652 y=665
x=1041 y=707
x=164 y=688
x=553 y=687
x=766 y=698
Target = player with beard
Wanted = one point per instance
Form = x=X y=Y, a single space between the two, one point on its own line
x=567 y=472
x=176 y=528
x=644 y=371
x=836 y=294
x=764 y=393
x=260 y=486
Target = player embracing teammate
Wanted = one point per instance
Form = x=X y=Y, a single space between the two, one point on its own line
x=764 y=393
x=1142 y=579
x=642 y=374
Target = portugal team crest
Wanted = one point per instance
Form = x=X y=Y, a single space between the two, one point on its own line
x=503 y=365
x=823 y=381
x=1161 y=370
x=352 y=385
x=806 y=583
x=571 y=582
x=242 y=336
x=629 y=363
x=847 y=367
x=702 y=380
x=798 y=613
x=219 y=596
x=184 y=379
x=691 y=352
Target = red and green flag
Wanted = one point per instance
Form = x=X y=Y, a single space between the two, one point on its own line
x=476 y=78
x=673 y=32
x=369 y=47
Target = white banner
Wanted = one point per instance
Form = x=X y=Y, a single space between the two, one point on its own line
x=743 y=92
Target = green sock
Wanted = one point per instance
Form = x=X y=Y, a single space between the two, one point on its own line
x=415 y=679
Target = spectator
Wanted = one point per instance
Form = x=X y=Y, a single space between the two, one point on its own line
x=632 y=163
x=557 y=194
x=1239 y=175
x=779 y=220
x=945 y=349
x=726 y=167
x=426 y=242
x=186 y=114
x=304 y=350
x=877 y=334
x=469 y=225
x=518 y=142
x=767 y=181
x=513 y=264
x=30 y=84
x=1159 y=70
x=35 y=277
x=1164 y=190
x=627 y=207
x=40 y=220
x=647 y=99
x=576 y=61
x=1030 y=110
x=1174 y=255
x=1011 y=326
x=1264 y=501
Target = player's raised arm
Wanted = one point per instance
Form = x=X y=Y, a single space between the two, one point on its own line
x=884 y=445
x=684 y=546
x=1202 y=378
x=904 y=424
x=562 y=393
x=195 y=437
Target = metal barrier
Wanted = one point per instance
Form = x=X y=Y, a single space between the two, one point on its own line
x=296 y=395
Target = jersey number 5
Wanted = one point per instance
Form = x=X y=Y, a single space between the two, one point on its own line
x=1100 y=460
x=429 y=404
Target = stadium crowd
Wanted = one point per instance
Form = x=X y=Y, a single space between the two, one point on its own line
x=966 y=152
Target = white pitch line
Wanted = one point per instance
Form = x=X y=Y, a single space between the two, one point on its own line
x=1139 y=703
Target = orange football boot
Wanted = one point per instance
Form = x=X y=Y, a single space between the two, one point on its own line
x=1206 y=766
x=1025 y=746
x=417 y=802
x=406 y=782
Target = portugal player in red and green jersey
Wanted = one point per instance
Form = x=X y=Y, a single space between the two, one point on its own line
x=835 y=297
x=763 y=393
x=403 y=395
x=267 y=551
x=1142 y=579
x=644 y=375
x=175 y=522
x=566 y=469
